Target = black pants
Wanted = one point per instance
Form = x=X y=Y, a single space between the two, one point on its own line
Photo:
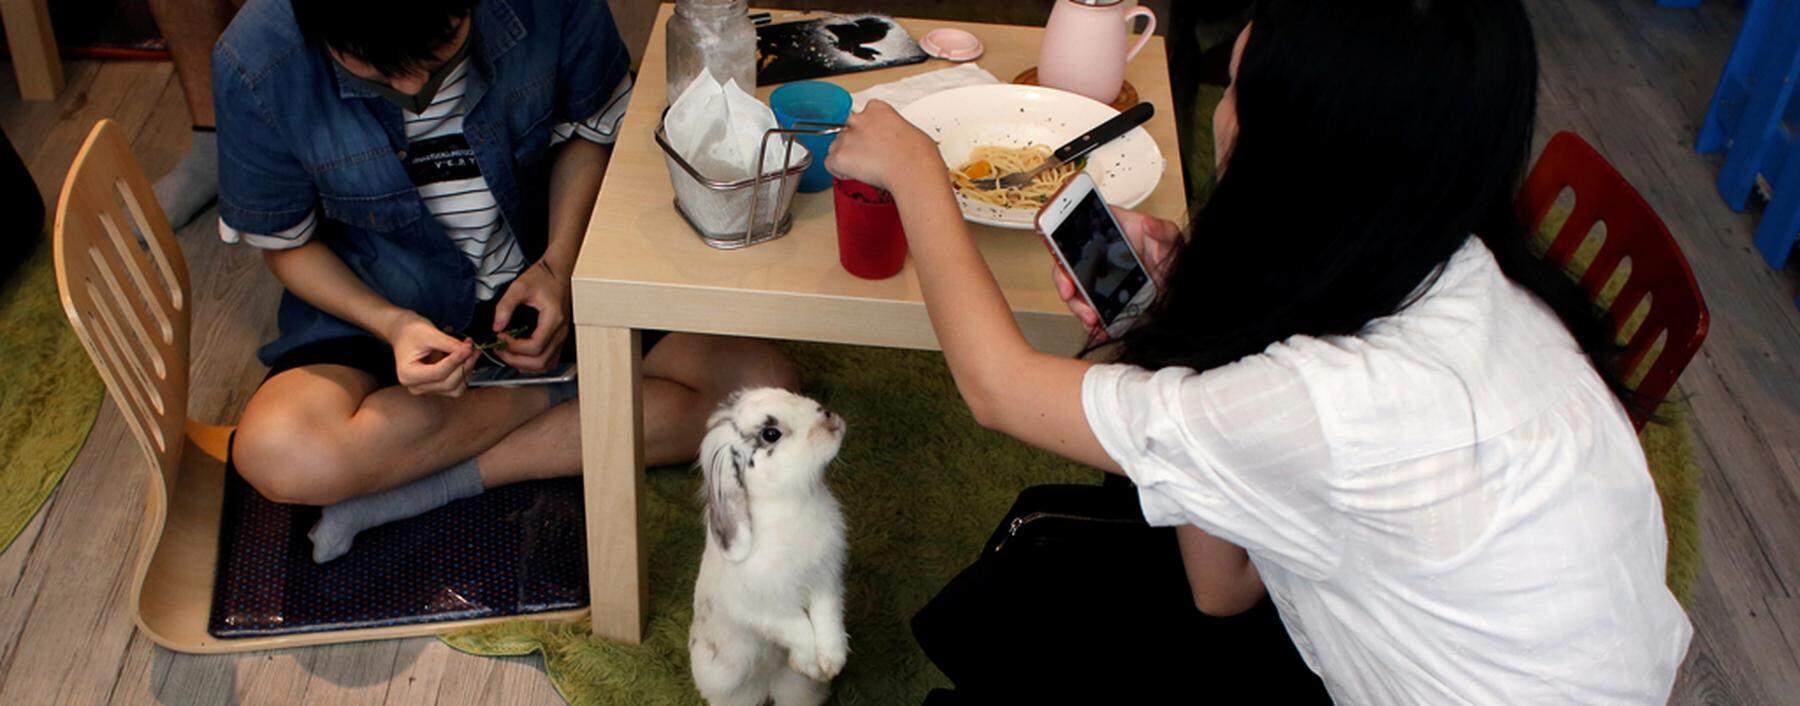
x=1099 y=613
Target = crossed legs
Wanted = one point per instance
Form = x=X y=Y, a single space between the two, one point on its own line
x=321 y=434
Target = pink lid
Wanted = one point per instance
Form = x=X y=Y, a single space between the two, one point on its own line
x=952 y=44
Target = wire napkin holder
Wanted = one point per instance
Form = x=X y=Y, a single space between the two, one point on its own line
x=711 y=207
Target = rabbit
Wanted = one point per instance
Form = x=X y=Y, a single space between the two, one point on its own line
x=769 y=601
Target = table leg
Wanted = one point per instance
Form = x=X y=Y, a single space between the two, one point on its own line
x=34 y=53
x=612 y=463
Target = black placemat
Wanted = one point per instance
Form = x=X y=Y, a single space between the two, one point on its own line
x=510 y=551
x=830 y=46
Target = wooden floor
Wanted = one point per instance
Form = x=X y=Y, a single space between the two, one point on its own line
x=1632 y=77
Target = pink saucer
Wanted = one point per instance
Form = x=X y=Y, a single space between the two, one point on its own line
x=952 y=44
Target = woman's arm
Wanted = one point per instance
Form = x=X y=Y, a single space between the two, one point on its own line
x=1009 y=387
x=1219 y=573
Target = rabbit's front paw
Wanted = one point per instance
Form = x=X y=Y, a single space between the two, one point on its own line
x=804 y=658
x=832 y=655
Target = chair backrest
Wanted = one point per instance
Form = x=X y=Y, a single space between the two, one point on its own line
x=1658 y=272
x=124 y=287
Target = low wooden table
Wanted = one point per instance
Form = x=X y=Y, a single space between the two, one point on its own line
x=642 y=267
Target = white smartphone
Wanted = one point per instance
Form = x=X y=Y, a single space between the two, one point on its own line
x=1088 y=242
x=490 y=374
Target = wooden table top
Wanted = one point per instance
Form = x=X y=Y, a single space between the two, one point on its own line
x=642 y=266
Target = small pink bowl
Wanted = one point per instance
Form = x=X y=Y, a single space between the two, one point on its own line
x=952 y=44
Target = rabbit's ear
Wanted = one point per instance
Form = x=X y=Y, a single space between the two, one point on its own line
x=727 y=499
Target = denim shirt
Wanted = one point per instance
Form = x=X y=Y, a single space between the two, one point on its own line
x=296 y=137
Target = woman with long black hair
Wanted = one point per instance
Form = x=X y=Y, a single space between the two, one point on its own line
x=1357 y=391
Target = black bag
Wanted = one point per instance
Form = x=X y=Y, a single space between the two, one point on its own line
x=1075 y=599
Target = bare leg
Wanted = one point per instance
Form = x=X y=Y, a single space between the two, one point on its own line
x=549 y=444
x=322 y=433
x=192 y=27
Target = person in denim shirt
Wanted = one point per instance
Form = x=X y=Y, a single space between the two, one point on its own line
x=418 y=174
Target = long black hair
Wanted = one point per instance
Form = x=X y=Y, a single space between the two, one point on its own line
x=1374 y=137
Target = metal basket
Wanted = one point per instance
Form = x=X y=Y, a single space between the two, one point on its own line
x=717 y=204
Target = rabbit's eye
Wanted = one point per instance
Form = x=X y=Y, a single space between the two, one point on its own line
x=771 y=435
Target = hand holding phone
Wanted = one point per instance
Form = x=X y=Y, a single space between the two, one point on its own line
x=1154 y=239
x=1102 y=272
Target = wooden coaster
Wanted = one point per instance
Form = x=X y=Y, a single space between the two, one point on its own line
x=1128 y=95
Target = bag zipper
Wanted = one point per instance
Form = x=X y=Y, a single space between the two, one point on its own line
x=1012 y=530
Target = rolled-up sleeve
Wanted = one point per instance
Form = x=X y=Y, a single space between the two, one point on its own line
x=263 y=187
x=602 y=127
x=1236 y=451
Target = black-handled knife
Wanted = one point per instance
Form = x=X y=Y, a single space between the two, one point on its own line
x=1079 y=147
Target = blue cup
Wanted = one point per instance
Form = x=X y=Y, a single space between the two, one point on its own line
x=815 y=101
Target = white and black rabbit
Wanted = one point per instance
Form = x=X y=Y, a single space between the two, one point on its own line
x=769 y=602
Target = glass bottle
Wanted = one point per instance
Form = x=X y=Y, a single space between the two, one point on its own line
x=716 y=35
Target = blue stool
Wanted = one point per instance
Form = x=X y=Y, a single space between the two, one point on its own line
x=1755 y=119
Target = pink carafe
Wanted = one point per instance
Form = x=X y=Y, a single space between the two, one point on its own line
x=1085 y=46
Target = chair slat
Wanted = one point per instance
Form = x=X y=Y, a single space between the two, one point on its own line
x=133 y=404
x=172 y=266
x=130 y=354
x=1659 y=271
x=129 y=256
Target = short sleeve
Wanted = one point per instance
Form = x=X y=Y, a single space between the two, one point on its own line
x=591 y=63
x=1236 y=451
x=603 y=126
x=263 y=188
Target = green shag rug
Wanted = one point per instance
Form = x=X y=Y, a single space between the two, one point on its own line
x=922 y=486
x=49 y=394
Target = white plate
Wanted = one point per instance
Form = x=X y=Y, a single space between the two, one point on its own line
x=1008 y=115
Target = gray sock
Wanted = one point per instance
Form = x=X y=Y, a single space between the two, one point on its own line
x=338 y=526
x=194 y=182
x=561 y=392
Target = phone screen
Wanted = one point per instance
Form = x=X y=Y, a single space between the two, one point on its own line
x=1099 y=258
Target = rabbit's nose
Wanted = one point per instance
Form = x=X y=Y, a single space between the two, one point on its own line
x=833 y=422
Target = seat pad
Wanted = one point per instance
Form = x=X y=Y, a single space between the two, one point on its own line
x=514 y=550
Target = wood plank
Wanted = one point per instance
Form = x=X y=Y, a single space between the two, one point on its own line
x=27 y=122
x=352 y=675
x=123 y=91
x=79 y=627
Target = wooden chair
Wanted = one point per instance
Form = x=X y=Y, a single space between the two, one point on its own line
x=129 y=302
x=1659 y=273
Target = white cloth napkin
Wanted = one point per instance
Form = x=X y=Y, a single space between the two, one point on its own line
x=906 y=90
x=718 y=128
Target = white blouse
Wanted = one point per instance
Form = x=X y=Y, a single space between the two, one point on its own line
x=1449 y=507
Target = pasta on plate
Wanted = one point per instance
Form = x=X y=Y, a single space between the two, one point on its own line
x=987 y=162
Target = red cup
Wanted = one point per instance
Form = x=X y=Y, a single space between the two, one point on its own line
x=871 y=243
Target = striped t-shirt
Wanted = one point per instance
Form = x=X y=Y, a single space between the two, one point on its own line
x=441 y=164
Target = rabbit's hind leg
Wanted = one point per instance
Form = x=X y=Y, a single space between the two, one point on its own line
x=795 y=689
x=731 y=667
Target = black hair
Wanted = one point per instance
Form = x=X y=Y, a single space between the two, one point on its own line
x=1374 y=138
x=395 y=37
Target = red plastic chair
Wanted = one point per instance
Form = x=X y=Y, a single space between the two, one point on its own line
x=1658 y=269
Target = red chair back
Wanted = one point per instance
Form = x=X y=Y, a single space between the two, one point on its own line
x=1633 y=230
